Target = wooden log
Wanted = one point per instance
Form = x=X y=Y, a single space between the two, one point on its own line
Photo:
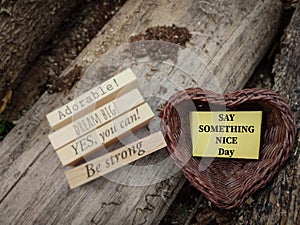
x=279 y=202
x=232 y=37
x=25 y=27
x=92 y=15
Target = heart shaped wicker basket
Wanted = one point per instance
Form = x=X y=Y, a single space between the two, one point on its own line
x=229 y=182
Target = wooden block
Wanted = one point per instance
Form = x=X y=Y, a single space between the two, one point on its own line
x=99 y=95
x=95 y=119
x=107 y=134
x=114 y=160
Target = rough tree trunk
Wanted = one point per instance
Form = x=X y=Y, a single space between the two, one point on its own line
x=25 y=27
x=279 y=202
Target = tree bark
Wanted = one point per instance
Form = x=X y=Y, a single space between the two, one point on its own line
x=231 y=41
x=279 y=202
x=25 y=27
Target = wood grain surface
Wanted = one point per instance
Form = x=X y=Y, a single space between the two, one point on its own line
x=228 y=40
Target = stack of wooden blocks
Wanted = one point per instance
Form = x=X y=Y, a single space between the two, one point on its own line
x=97 y=119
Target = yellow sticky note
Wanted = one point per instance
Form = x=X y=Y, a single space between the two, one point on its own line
x=228 y=134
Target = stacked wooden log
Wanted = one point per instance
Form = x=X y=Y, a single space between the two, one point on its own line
x=25 y=28
x=231 y=38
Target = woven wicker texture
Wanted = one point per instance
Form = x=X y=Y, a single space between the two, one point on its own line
x=229 y=182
